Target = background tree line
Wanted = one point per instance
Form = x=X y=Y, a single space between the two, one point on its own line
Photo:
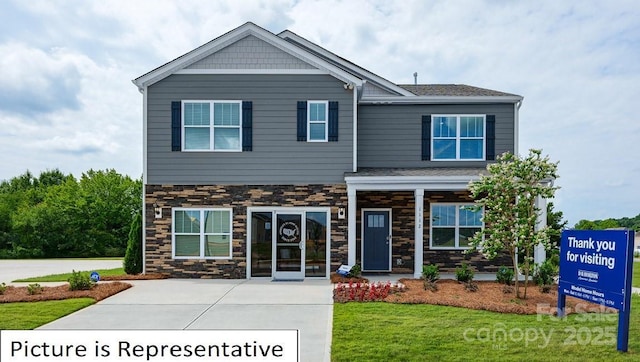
x=57 y=215
x=632 y=223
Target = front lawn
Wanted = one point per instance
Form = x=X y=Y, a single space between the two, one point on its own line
x=635 y=280
x=422 y=332
x=65 y=277
x=30 y=315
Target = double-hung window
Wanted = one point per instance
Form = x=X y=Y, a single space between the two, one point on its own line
x=212 y=125
x=458 y=137
x=317 y=120
x=452 y=225
x=202 y=233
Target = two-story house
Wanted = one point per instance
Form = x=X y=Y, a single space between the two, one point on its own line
x=266 y=155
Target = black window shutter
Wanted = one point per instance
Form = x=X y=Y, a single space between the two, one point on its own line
x=333 y=121
x=426 y=138
x=491 y=137
x=247 y=126
x=176 y=126
x=302 y=120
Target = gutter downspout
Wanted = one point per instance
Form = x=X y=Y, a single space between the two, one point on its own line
x=144 y=178
x=355 y=128
x=516 y=126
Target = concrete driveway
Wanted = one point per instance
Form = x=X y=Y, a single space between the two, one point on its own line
x=11 y=270
x=177 y=304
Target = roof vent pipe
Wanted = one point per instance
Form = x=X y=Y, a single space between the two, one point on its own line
x=415 y=78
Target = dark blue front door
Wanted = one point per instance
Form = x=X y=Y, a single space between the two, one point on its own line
x=376 y=238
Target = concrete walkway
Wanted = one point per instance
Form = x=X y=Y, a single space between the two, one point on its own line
x=176 y=304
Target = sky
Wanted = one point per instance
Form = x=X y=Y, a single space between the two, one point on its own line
x=67 y=101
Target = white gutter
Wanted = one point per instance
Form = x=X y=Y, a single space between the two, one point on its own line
x=516 y=126
x=355 y=130
x=439 y=99
x=144 y=178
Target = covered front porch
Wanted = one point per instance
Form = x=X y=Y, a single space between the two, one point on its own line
x=395 y=207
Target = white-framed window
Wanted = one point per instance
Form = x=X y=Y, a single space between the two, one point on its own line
x=212 y=125
x=317 y=121
x=458 y=137
x=452 y=225
x=202 y=233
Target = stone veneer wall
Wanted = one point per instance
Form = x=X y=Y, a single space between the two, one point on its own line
x=402 y=204
x=237 y=197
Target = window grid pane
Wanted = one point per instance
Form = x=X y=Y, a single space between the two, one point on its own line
x=444 y=127
x=197 y=138
x=317 y=112
x=317 y=131
x=471 y=127
x=196 y=114
x=471 y=149
x=226 y=138
x=444 y=215
x=226 y=114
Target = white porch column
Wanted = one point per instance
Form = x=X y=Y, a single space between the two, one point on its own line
x=539 y=253
x=351 y=226
x=419 y=233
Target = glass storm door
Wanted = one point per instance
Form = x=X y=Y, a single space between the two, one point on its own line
x=289 y=247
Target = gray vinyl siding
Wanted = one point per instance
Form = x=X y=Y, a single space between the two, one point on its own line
x=391 y=135
x=277 y=156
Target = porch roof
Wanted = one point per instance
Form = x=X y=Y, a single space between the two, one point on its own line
x=401 y=179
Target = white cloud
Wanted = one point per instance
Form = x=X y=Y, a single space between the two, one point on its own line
x=34 y=81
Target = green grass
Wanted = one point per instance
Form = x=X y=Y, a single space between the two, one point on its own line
x=30 y=315
x=635 y=279
x=421 y=332
x=64 y=277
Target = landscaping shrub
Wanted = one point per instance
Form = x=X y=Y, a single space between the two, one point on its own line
x=355 y=271
x=3 y=288
x=464 y=274
x=430 y=274
x=132 y=262
x=505 y=275
x=80 y=281
x=34 y=288
x=544 y=275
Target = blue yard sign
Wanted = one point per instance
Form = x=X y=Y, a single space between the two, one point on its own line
x=596 y=265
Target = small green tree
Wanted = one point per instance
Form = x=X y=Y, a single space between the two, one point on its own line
x=132 y=262
x=508 y=195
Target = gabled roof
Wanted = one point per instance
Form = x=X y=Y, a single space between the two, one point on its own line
x=343 y=63
x=233 y=36
x=329 y=63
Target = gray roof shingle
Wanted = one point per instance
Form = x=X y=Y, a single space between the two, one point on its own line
x=448 y=90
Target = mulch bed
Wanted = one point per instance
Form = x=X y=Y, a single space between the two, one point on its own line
x=337 y=278
x=490 y=296
x=99 y=292
x=134 y=277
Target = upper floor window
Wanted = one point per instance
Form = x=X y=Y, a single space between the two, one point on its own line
x=212 y=125
x=452 y=225
x=458 y=137
x=317 y=120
